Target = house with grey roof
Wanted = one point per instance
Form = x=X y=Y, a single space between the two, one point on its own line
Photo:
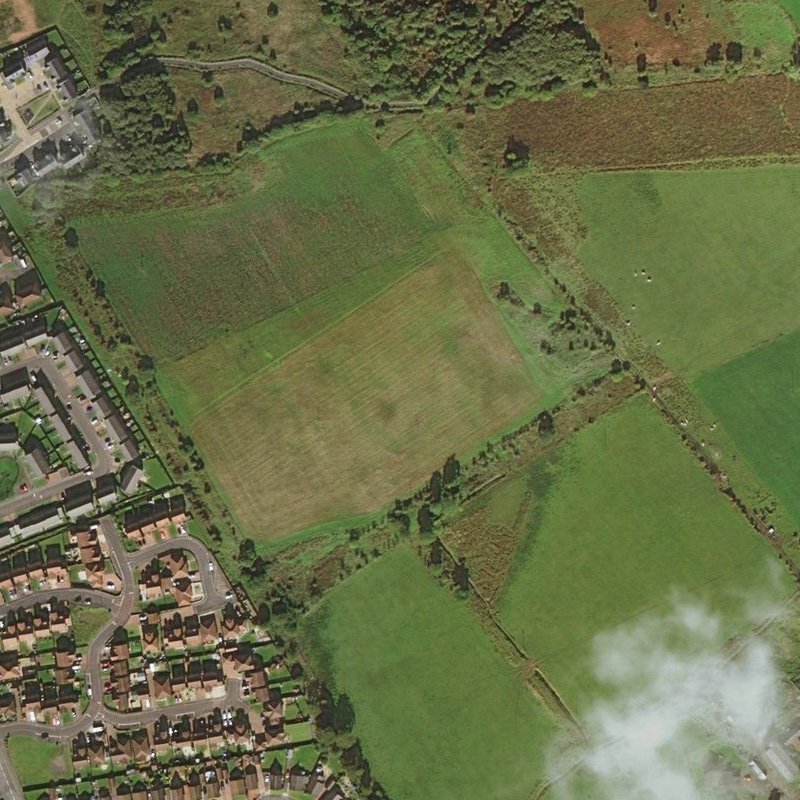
x=14 y=385
x=129 y=449
x=75 y=360
x=35 y=458
x=88 y=383
x=105 y=490
x=78 y=500
x=118 y=429
x=130 y=477
x=9 y=437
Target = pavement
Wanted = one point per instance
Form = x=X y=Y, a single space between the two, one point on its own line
x=215 y=588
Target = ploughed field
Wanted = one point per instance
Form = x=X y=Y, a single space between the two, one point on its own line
x=438 y=711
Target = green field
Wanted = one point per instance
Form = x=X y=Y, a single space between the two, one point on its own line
x=628 y=519
x=756 y=398
x=716 y=245
x=439 y=712
x=86 y=622
x=327 y=409
x=9 y=472
x=331 y=205
x=38 y=761
x=793 y=7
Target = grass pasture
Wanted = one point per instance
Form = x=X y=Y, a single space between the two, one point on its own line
x=438 y=710
x=38 y=761
x=793 y=8
x=330 y=208
x=368 y=408
x=756 y=398
x=626 y=518
x=716 y=245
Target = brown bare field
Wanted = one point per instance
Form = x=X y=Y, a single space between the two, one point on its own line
x=26 y=16
x=366 y=411
x=248 y=97
x=752 y=116
x=626 y=28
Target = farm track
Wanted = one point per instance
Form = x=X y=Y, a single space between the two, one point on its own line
x=297 y=79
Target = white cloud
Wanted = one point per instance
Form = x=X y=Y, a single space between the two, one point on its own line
x=668 y=690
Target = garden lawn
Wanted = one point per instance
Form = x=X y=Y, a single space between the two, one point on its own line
x=371 y=407
x=440 y=714
x=331 y=205
x=9 y=472
x=627 y=518
x=38 y=761
x=716 y=245
x=757 y=399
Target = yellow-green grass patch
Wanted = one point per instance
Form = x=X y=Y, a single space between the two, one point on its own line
x=440 y=714
x=38 y=761
x=625 y=518
x=367 y=409
x=716 y=246
x=756 y=398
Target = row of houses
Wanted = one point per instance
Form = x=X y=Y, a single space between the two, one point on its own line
x=32 y=569
x=42 y=74
x=39 y=666
x=169 y=576
x=89 y=384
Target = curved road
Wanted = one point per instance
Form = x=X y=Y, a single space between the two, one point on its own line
x=215 y=588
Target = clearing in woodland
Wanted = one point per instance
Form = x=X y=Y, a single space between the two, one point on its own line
x=436 y=706
x=624 y=519
x=679 y=35
x=719 y=268
x=756 y=398
x=365 y=411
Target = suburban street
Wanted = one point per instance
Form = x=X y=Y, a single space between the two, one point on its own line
x=103 y=466
x=215 y=588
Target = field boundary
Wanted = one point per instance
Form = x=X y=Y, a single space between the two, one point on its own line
x=333 y=324
x=537 y=680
